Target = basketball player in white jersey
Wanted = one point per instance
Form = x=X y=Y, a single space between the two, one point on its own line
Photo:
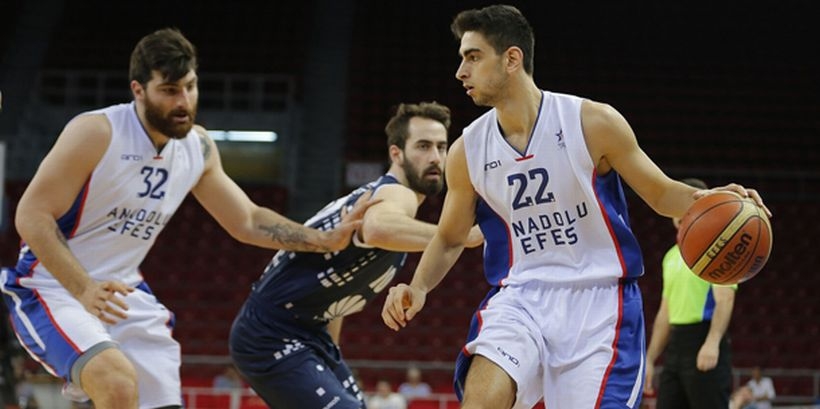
x=543 y=172
x=110 y=184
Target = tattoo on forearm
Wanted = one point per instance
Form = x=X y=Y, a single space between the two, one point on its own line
x=291 y=238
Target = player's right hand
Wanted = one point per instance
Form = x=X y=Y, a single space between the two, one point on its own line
x=736 y=188
x=100 y=299
x=403 y=302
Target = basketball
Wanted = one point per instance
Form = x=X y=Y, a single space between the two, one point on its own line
x=725 y=238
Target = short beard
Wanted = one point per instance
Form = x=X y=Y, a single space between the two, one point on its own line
x=418 y=184
x=165 y=124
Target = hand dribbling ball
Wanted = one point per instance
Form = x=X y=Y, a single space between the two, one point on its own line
x=725 y=238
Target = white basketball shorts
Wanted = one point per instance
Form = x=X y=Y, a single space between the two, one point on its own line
x=56 y=331
x=579 y=346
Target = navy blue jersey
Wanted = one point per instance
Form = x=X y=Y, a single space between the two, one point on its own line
x=279 y=340
x=314 y=288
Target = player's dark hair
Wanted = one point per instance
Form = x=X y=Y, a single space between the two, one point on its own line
x=167 y=51
x=503 y=26
x=695 y=182
x=396 y=128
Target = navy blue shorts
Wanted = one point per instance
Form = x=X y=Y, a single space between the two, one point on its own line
x=292 y=367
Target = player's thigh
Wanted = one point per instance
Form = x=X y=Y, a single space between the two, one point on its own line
x=53 y=326
x=511 y=341
x=305 y=381
x=145 y=338
x=595 y=344
x=488 y=386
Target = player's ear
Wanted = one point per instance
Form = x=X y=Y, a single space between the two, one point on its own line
x=137 y=89
x=396 y=154
x=514 y=58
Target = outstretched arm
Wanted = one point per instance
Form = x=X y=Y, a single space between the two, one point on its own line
x=391 y=224
x=404 y=302
x=249 y=223
x=51 y=193
x=612 y=145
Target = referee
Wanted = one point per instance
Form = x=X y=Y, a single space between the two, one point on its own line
x=691 y=325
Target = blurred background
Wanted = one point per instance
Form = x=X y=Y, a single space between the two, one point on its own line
x=723 y=91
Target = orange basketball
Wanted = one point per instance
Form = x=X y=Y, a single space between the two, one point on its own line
x=724 y=238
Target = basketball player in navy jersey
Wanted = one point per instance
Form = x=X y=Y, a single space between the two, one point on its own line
x=285 y=338
x=543 y=172
x=94 y=208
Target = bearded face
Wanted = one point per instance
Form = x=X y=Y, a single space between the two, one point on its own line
x=427 y=181
x=174 y=123
x=423 y=156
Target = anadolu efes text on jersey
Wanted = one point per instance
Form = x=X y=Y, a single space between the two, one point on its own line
x=545 y=213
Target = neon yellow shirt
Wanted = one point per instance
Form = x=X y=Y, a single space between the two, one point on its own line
x=688 y=297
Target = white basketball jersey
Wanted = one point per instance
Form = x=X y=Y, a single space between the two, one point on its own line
x=125 y=204
x=545 y=213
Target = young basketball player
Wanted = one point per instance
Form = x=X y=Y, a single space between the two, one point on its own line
x=543 y=172
x=285 y=338
x=98 y=201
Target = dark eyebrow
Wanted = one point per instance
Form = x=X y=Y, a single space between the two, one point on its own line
x=431 y=142
x=177 y=82
x=470 y=51
x=167 y=83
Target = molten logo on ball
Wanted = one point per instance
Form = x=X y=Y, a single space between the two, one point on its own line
x=732 y=258
x=725 y=239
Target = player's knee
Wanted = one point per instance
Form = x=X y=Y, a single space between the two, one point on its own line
x=122 y=389
x=109 y=376
x=114 y=387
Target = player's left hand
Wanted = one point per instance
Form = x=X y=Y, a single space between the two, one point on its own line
x=339 y=237
x=742 y=191
x=105 y=300
x=707 y=357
